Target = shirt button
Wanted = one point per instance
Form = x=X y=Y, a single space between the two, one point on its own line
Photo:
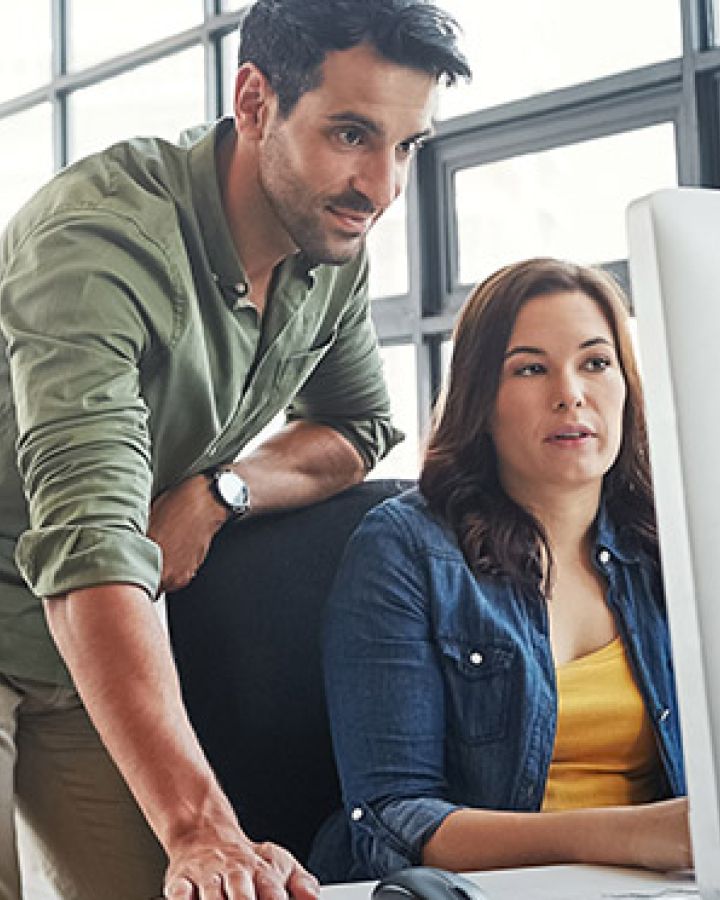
x=476 y=658
x=241 y=289
x=663 y=715
x=356 y=814
x=604 y=557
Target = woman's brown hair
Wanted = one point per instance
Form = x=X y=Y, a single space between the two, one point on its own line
x=459 y=475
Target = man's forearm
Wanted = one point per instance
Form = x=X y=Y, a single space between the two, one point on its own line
x=119 y=657
x=301 y=464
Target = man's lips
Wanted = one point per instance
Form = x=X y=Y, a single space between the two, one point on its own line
x=352 y=220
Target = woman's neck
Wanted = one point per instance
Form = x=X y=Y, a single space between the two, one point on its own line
x=566 y=517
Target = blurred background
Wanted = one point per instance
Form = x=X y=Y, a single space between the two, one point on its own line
x=575 y=108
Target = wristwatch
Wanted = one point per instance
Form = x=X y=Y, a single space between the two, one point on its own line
x=231 y=490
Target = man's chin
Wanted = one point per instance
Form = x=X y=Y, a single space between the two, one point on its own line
x=336 y=255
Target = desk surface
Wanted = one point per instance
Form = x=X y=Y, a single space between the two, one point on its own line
x=559 y=883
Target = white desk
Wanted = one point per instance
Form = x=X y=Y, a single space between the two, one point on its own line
x=558 y=883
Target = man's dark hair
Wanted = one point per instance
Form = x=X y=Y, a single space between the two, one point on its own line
x=289 y=39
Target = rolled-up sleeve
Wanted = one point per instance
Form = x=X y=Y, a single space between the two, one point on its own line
x=386 y=698
x=75 y=336
x=347 y=391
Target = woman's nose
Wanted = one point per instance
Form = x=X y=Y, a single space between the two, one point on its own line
x=565 y=404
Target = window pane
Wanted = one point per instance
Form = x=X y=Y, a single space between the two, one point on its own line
x=159 y=99
x=229 y=49
x=24 y=47
x=233 y=4
x=400 y=375
x=716 y=22
x=567 y=202
x=98 y=31
x=522 y=48
x=387 y=247
x=26 y=141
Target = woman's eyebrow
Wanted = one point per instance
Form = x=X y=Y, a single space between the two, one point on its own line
x=538 y=351
x=523 y=349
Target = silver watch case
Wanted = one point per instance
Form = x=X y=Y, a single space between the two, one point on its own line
x=231 y=490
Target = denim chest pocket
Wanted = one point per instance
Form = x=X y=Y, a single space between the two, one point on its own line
x=478 y=679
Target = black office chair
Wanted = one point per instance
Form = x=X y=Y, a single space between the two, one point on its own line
x=246 y=638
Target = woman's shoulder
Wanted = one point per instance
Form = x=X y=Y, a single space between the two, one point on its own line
x=409 y=514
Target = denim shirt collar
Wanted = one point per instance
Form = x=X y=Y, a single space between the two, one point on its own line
x=620 y=543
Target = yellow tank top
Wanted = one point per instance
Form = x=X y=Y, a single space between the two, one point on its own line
x=605 y=751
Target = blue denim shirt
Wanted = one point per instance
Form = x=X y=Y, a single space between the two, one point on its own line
x=441 y=686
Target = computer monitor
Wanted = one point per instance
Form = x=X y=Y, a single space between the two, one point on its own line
x=674 y=258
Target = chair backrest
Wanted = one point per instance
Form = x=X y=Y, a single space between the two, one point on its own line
x=246 y=638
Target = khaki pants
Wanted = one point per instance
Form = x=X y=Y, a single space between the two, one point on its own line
x=56 y=774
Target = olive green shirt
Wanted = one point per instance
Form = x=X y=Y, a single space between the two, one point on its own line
x=131 y=361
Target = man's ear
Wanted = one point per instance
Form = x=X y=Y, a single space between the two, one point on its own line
x=254 y=99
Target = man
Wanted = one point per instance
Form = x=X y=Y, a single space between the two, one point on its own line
x=159 y=305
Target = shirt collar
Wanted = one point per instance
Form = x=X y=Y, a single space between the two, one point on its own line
x=207 y=202
x=621 y=543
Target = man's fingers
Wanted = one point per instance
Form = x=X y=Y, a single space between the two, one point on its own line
x=301 y=885
x=179 y=889
x=239 y=885
x=268 y=885
x=295 y=880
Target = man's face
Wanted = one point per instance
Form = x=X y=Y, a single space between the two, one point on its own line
x=334 y=165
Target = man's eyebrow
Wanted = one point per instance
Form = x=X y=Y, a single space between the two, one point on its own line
x=537 y=351
x=349 y=117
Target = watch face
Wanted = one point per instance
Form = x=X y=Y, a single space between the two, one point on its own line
x=233 y=491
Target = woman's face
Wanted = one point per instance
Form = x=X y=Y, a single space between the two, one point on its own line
x=558 y=414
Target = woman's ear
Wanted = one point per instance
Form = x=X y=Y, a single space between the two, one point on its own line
x=253 y=99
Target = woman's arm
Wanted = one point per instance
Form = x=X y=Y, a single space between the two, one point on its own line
x=652 y=835
x=385 y=695
x=387 y=707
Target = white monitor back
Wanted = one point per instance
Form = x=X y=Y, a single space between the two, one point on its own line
x=674 y=258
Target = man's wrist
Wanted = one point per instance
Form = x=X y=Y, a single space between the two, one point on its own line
x=230 y=490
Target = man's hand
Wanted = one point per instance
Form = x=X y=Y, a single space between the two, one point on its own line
x=237 y=870
x=183 y=522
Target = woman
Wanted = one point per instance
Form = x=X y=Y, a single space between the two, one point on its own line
x=498 y=667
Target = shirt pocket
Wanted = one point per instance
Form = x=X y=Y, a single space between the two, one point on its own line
x=478 y=677
x=295 y=369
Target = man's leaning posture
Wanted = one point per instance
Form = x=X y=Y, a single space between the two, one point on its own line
x=159 y=304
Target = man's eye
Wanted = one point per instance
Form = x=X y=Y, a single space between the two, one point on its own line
x=409 y=148
x=353 y=137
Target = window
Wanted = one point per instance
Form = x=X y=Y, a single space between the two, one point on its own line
x=26 y=144
x=400 y=375
x=98 y=31
x=160 y=99
x=524 y=48
x=24 y=47
x=575 y=108
x=568 y=202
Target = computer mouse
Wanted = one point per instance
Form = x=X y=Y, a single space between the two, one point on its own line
x=427 y=883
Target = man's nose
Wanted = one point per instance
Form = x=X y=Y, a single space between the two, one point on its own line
x=380 y=178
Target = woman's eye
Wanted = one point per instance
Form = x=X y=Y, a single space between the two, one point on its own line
x=597 y=364
x=530 y=369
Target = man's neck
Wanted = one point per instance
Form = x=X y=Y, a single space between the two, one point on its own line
x=260 y=241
